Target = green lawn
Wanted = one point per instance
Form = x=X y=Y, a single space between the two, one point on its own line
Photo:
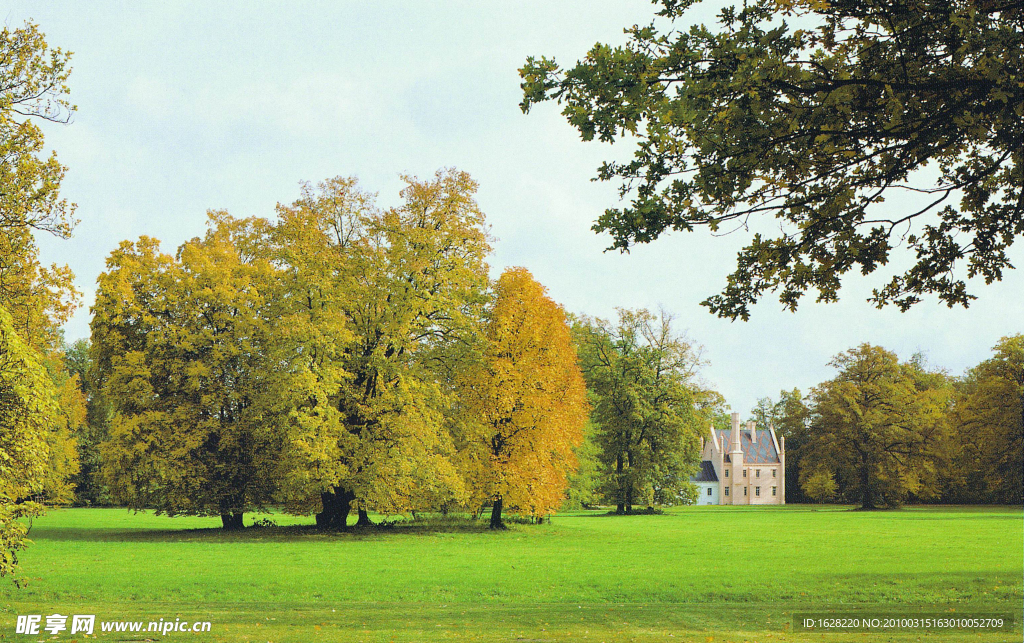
x=729 y=573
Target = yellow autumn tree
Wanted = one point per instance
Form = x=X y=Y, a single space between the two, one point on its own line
x=408 y=284
x=527 y=401
x=182 y=347
x=39 y=402
x=29 y=417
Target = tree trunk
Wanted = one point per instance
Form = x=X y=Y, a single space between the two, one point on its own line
x=336 y=507
x=324 y=518
x=343 y=500
x=232 y=521
x=867 y=494
x=496 y=515
x=364 y=520
x=620 y=508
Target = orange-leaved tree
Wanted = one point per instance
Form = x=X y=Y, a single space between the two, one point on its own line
x=528 y=400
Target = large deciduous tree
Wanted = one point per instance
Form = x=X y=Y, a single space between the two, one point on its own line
x=809 y=115
x=879 y=427
x=648 y=410
x=528 y=403
x=988 y=419
x=408 y=284
x=183 y=350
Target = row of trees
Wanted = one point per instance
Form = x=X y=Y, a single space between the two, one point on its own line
x=884 y=432
x=343 y=358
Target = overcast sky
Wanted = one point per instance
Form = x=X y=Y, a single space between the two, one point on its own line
x=218 y=105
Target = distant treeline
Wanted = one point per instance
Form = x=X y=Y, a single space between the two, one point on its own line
x=885 y=432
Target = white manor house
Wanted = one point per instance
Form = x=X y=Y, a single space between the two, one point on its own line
x=742 y=467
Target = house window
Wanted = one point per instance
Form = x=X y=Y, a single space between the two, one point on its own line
x=773 y=473
x=757 y=491
x=709 y=491
x=726 y=473
x=727 y=491
x=744 y=473
x=757 y=473
x=773 y=491
x=744 y=491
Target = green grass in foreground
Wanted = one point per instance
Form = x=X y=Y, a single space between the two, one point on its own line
x=729 y=573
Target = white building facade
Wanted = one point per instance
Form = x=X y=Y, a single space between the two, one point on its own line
x=742 y=467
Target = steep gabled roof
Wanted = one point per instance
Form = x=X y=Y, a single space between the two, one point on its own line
x=706 y=473
x=761 y=452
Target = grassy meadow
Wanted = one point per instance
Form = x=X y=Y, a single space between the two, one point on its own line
x=693 y=574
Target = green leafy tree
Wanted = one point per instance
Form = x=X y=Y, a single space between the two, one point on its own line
x=809 y=115
x=182 y=347
x=409 y=285
x=92 y=430
x=585 y=482
x=879 y=427
x=819 y=485
x=40 y=404
x=33 y=87
x=988 y=420
x=641 y=376
x=767 y=412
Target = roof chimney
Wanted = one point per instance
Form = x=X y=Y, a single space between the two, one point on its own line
x=734 y=438
x=752 y=427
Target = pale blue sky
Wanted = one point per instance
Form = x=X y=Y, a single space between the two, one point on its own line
x=183 y=108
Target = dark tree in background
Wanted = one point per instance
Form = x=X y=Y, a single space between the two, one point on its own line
x=811 y=114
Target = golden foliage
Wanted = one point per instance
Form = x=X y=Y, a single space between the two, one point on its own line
x=528 y=398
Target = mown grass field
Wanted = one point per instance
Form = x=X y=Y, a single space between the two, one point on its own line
x=694 y=574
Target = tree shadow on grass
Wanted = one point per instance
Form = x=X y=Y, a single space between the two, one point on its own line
x=289 y=533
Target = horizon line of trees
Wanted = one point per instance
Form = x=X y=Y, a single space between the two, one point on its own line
x=343 y=358
x=886 y=432
x=347 y=358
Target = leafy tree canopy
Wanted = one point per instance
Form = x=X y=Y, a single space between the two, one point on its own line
x=879 y=426
x=813 y=113
x=29 y=415
x=989 y=415
x=529 y=400
x=648 y=409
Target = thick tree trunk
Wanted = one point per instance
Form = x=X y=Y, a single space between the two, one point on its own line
x=364 y=520
x=867 y=494
x=232 y=521
x=336 y=507
x=324 y=518
x=344 y=507
x=496 y=515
